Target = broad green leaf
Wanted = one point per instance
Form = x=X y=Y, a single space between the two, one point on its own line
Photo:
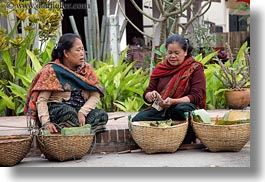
x=240 y=54
x=163 y=49
x=198 y=58
x=45 y=56
x=210 y=107
x=2 y=106
x=157 y=52
x=26 y=79
x=18 y=91
x=124 y=53
x=102 y=70
x=21 y=58
x=34 y=60
x=221 y=90
x=208 y=57
x=120 y=106
x=134 y=90
x=7 y=100
x=117 y=79
x=8 y=61
x=20 y=109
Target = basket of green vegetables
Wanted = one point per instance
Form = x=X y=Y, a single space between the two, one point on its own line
x=158 y=136
x=228 y=133
x=71 y=143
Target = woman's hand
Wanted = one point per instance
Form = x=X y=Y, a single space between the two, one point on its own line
x=151 y=96
x=166 y=103
x=81 y=118
x=51 y=127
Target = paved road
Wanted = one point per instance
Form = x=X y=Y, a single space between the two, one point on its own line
x=181 y=158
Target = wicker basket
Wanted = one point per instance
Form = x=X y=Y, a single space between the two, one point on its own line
x=57 y=147
x=14 y=148
x=222 y=137
x=157 y=140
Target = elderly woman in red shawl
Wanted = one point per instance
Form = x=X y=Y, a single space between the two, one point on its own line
x=177 y=85
x=66 y=91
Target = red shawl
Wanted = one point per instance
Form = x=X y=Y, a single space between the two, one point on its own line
x=179 y=84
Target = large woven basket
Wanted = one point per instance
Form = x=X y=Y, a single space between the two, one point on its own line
x=222 y=137
x=57 y=147
x=156 y=139
x=14 y=149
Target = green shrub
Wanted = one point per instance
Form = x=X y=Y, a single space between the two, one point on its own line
x=124 y=85
x=214 y=100
x=23 y=53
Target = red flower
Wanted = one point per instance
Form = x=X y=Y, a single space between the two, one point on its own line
x=246 y=1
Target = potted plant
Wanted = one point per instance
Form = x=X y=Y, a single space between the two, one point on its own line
x=235 y=77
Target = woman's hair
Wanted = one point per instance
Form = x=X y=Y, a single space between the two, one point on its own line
x=183 y=42
x=65 y=43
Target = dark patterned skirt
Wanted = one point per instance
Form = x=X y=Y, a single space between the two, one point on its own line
x=64 y=115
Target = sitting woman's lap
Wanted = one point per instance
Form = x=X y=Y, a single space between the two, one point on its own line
x=175 y=112
x=65 y=115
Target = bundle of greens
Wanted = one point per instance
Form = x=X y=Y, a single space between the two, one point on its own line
x=68 y=131
x=160 y=124
x=234 y=117
x=82 y=130
x=201 y=116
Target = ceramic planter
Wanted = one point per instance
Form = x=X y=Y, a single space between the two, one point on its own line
x=237 y=99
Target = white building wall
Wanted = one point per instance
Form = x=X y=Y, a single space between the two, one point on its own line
x=218 y=14
x=121 y=18
x=148 y=23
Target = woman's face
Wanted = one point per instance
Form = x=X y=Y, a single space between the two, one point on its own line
x=75 y=56
x=175 y=54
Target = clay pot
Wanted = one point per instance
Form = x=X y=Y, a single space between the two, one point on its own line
x=237 y=99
